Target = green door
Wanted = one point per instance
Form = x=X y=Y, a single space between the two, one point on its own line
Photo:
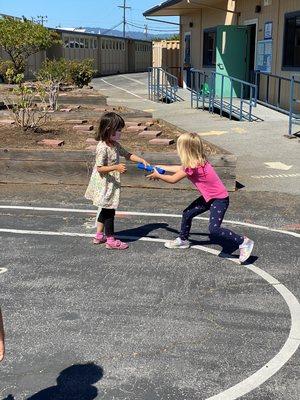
x=232 y=57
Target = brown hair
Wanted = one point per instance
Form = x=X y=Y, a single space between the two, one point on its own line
x=109 y=124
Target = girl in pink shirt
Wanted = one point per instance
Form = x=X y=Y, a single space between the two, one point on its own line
x=213 y=195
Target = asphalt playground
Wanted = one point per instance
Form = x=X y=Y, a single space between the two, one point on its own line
x=149 y=323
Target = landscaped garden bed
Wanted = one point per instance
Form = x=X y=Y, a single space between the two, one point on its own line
x=62 y=150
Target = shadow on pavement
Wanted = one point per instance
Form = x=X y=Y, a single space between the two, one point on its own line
x=73 y=383
x=134 y=234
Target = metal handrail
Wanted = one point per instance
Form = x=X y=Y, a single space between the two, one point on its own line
x=248 y=96
x=176 y=71
x=162 y=86
x=200 y=83
x=203 y=90
x=264 y=98
x=294 y=119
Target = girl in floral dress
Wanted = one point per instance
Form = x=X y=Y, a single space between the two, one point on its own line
x=104 y=187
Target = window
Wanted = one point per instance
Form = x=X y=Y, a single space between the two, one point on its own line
x=86 y=43
x=209 y=47
x=67 y=43
x=291 y=44
x=95 y=44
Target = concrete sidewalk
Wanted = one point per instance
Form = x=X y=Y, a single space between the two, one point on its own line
x=255 y=143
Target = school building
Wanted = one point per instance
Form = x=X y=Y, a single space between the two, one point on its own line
x=237 y=38
x=111 y=54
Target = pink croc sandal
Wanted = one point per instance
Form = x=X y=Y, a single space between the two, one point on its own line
x=99 y=238
x=116 y=244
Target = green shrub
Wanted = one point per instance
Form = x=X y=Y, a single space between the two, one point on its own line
x=7 y=71
x=82 y=72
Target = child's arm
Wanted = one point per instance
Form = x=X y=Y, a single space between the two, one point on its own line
x=137 y=159
x=178 y=176
x=170 y=168
x=109 y=168
x=2 y=348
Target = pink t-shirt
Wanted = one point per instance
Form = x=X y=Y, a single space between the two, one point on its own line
x=207 y=182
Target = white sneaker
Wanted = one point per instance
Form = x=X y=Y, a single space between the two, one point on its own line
x=246 y=249
x=177 y=244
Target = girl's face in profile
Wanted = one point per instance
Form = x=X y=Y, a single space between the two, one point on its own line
x=116 y=136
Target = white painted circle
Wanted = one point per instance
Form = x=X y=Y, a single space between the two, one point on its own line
x=293 y=341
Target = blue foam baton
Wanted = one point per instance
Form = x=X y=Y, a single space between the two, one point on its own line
x=150 y=168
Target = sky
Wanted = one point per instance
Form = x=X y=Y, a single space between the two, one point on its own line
x=91 y=13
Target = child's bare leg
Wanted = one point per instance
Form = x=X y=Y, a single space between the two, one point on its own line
x=100 y=227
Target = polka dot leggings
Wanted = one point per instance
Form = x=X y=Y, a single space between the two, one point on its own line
x=217 y=208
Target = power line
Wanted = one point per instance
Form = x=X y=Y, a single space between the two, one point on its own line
x=114 y=27
x=150 y=29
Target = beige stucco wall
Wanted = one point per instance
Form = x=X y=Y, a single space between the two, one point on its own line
x=209 y=18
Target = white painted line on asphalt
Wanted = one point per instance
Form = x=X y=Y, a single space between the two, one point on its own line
x=134 y=80
x=276 y=363
x=278 y=165
x=212 y=133
x=124 y=90
x=146 y=214
x=276 y=176
x=3 y=270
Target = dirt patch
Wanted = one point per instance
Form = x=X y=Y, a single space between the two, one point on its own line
x=91 y=109
x=59 y=128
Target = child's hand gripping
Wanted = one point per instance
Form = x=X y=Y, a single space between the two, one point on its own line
x=155 y=176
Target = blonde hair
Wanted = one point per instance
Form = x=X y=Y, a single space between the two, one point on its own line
x=191 y=150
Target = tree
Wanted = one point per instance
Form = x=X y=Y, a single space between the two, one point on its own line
x=22 y=38
x=176 y=36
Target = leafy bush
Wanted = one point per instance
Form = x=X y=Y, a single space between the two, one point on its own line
x=82 y=72
x=26 y=113
x=7 y=71
x=52 y=74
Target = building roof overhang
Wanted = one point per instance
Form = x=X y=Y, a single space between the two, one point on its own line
x=185 y=7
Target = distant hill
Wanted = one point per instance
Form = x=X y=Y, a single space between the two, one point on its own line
x=129 y=34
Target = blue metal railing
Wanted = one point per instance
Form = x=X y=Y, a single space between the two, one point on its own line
x=233 y=96
x=271 y=91
x=176 y=71
x=294 y=115
x=162 y=86
x=200 y=88
x=229 y=95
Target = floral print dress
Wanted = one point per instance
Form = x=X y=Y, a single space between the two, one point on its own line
x=104 y=189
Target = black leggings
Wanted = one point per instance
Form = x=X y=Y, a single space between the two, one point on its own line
x=107 y=218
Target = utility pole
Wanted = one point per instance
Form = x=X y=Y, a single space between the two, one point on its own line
x=124 y=16
x=41 y=19
x=146 y=31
